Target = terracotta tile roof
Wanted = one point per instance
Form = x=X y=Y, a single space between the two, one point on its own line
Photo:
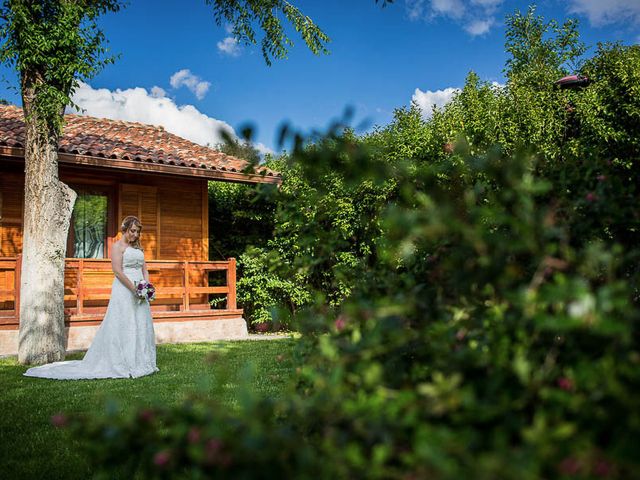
x=115 y=139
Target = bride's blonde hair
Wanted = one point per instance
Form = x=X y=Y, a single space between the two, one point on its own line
x=127 y=223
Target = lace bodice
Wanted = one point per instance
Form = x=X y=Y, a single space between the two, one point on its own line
x=132 y=259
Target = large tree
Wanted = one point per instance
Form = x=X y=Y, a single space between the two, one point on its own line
x=54 y=44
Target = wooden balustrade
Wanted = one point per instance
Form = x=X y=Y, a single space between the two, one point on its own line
x=182 y=289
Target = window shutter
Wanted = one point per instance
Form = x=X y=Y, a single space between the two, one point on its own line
x=142 y=201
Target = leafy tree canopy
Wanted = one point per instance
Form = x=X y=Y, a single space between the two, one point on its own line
x=52 y=45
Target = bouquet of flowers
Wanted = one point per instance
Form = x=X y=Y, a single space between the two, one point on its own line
x=145 y=291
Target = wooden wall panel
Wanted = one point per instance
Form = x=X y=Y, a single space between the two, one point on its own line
x=11 y=195
x=181 y=207
x=142 y=201
x=174 y=211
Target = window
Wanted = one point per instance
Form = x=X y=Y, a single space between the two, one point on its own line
x=89 y=225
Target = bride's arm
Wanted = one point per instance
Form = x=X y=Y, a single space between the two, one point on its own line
x=145 y=272
x=116 y=266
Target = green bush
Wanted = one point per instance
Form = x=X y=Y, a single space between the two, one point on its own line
x=263 y=292
x=464 y=314
x=335 y=229
x=481 y=345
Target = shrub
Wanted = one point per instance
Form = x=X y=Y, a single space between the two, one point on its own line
x=489 y=329
x=482 y=344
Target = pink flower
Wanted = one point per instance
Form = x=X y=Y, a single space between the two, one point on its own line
x=340 y=323
x=565 y=384
x=212 y=449
x=194 y=435
x=146 y=415
x=59 y=420
x=603 y=469
x=591 y=197
x=213 y=445
x=460 y=334
x=569 y=466
x=162 y=458
x=225 y=460
x=601 y=178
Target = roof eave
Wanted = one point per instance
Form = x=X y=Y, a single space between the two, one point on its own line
x=150 y=167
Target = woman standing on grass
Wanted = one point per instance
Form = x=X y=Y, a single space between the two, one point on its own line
x=124 y=345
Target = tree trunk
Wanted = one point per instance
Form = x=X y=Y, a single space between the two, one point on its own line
x=48 y=204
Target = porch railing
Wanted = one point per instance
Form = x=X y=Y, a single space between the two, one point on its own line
x=183 y=288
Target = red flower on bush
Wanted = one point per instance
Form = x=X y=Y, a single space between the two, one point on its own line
x=162 y=458
x=59 y=420
x=565 y=383
x=603 y=469
x=340 y=323
x=569 y=466
x=212 y=450
x=591 y=197
x=194 y=435
x=146 y=415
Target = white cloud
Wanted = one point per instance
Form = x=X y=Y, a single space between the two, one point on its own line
x=229 y=46
x=601 y=13
x=185 y=78
x=138 y=105
x=154 y=108
x=451 y=8
x=158 y=92
x=263 y=149
x=479 y=27
x=487 y=3
x=426 y=101
x=477 y=17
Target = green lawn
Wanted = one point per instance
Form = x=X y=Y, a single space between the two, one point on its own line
x=30 y=447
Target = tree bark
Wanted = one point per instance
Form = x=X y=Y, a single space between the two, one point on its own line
x=48 y=204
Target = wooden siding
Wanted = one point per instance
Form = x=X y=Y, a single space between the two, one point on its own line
x=142 y=201
x=173 y=211
x=11 y=195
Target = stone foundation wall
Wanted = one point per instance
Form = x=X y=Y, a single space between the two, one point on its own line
x=80 y=337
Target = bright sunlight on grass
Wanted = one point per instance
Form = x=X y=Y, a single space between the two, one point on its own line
x=30 y=447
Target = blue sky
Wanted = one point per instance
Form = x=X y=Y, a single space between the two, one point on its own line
x=178 y=69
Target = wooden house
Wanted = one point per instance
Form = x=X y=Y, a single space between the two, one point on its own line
x=123 y=168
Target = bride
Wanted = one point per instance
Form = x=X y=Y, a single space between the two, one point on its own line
x=124 y=345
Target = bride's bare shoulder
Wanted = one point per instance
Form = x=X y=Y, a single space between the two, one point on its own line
x=118 y=249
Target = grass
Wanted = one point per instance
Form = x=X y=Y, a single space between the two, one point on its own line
x=30 y=447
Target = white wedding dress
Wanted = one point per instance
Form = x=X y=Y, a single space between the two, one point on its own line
x=124 y=345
